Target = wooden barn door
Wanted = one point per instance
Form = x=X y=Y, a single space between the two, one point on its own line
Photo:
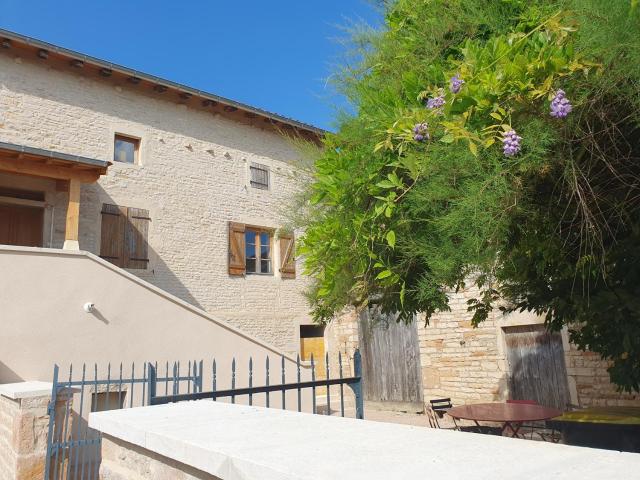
x=537 y=367
x=390 y=359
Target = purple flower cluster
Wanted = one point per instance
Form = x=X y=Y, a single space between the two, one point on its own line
x=456 y=83
x=560 y=106
x=436 y=102
x=511 y=143
x=421 y=132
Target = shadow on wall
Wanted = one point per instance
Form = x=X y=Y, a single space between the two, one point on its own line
x=166 y=117
x=157 y=273
x=8 y=376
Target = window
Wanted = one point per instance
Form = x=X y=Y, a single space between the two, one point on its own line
x=257 y=251
x=259 y=176
x=251 y=251
x=104 y=401
x=125 y=149
x=124 y=236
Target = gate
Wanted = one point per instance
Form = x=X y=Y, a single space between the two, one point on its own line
x=390 y=359
x=73 y=449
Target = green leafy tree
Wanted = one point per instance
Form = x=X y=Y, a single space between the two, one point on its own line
x=493 y=140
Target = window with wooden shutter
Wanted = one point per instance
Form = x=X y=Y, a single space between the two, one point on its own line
x=124 y=236
x=114 y=219
x=236 y=249
x=287 y=256
x=136 y=234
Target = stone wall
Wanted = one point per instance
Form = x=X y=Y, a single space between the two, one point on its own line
x=124 y=461
x=469 y=365
x=193 y=177
x=588 y=372
x=24 y=424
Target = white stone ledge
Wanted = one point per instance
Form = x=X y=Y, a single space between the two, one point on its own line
x=236 y=442
x=20 y=390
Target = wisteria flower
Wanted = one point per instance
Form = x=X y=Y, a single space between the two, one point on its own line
x=421 y=132
x=455 y=83
x=560 y=106
x=511 y=143
x=435 y=103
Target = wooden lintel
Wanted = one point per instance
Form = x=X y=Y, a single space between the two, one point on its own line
x=47 y=171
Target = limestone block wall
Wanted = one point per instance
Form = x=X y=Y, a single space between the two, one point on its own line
x=469 y=364
x=24 y=424
x=460 y=361
x=193 y=177
x=589 y=374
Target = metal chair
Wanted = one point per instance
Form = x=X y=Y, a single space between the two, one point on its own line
x=436 y=410
x=438 y=407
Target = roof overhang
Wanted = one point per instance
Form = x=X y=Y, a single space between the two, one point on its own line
x=37 y=162
x=157 y=86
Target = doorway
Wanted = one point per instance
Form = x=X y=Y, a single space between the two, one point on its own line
x=537 y=369
x=390 y=360
x=21 y=225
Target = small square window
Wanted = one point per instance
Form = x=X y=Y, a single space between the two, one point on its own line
x=259 y=176
x=126 y=149
x=104 y=401
x=258 y=251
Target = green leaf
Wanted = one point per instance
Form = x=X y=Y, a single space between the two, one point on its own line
x=474 y=148
x=385 y=184
x=384 y=274
x=448 y=138
x=496 y=116
x=391 y=238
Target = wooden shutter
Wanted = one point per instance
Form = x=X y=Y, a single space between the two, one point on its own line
x=136 y=235
x=237 y=263
x=287 y=256
x=114 y=219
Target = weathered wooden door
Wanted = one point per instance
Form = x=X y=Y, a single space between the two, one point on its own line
x=537 y=367
x=21 y=225
x=390 y=359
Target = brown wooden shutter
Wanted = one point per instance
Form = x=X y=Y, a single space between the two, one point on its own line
x=136 y=238
x=287 y=256
x=114 y=219
x=237 y=263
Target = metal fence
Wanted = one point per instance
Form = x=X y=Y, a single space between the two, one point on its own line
x=73 y=449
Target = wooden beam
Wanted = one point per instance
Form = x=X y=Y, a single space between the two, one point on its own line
x=76 y=63
x=6 y=43
x=73 y=217
x=47 y=171
x=43 y=54
x=62 y=185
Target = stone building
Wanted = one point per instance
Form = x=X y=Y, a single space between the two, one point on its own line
x=182 y=188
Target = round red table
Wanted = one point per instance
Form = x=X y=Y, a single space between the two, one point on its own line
x=511 y=415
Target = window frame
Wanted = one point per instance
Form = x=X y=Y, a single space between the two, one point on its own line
x=258 y=248
x=136 y=141
x=259 y=166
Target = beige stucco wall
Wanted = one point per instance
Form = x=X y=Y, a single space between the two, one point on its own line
x=193 y=179
x=42 y=320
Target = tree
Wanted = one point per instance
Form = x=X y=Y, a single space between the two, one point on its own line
x=499 y=140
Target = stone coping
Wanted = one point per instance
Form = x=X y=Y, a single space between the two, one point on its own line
x=20 y=390
x=236 y=442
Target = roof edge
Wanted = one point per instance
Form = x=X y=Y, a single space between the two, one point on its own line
x=94 y=162
x=73 y=55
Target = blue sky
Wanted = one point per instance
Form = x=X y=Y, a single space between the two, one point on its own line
x=273 y=54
